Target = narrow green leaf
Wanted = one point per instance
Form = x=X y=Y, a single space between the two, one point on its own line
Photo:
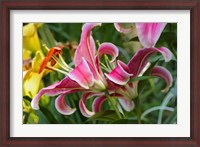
x=108 y=115
x=172 y=117
x=49 y=36
x=45 y=111
x=46 y=36
x=120 y=121
x=141 y=78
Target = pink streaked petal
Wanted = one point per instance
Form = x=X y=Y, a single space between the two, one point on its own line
x=62 y=106
x=85 y=112
x=164 y=74
x=149 y=33
x=97 y=62
x=112 y=86
x=86 y=47
x=92 y=69
x=97 y=103
x=128 y=105
x=167 y=54
x=122 y=29
x=110 y=49
x=120 y=75
x=82 y=75
x=66 y=85
x=139 y=60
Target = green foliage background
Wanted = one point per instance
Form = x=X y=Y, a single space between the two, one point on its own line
x=155 y=106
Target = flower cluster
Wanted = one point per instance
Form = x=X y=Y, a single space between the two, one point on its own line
x=113 y=83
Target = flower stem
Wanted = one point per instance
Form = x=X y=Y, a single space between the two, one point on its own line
x=138 y=111
x=114 y=104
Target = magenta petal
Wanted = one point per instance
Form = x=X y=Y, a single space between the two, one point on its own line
x=97 y=62
x=128 y=105
x=112 y=86
x=120 y=75
x=149 y=33
x=82 y=75
x=97 y=103
x=85 y=112
x=65 y=86
x=86 y=47
x=121 y=29
x=110 y=49
x=62 y=106
x=167 y=54
x=139 y=60
x=164 y=74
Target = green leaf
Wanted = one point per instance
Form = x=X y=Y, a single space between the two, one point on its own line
x=45 y=111
x=108 y=115
x=169 y=37
x=46 y=36
x=120 y=121
x=66 y=54
x=141 y=78
x=172 y=117
x=32 y=119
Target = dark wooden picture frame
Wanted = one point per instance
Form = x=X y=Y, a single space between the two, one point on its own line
x=192 y=5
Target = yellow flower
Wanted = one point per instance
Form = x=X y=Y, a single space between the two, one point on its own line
x=30 y=37
x=32 y=78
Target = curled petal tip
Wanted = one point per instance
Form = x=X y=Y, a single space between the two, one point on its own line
x=65 y=86
x=167 y=54
x=121 y=29
x=164 y=74
x=97 y=103
x=110 y=49
x=34 y=104
x=62 y=106
x=82 y=105
x=86 y=47
x=128 y=105
x=120 y=75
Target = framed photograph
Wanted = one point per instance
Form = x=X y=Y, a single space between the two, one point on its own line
x=100 y=73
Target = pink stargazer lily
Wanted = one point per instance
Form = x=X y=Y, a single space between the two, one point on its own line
x=148 y=34
x=88 y=77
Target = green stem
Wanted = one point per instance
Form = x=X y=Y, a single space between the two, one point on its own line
x=138 y=111
x=173 y=51
x=114 y=104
